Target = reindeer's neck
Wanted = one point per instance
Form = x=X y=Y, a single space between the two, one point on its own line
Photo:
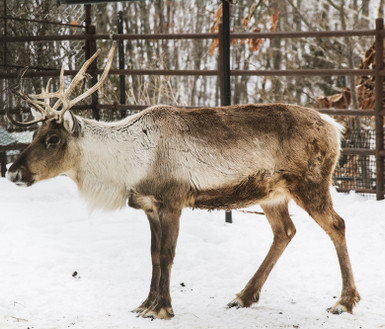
x=107 y=166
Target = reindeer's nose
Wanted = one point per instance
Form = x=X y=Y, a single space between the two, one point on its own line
x=16 y=177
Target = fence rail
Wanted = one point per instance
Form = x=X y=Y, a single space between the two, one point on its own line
x=179 y=36
x=90 y=37
x=299 y=72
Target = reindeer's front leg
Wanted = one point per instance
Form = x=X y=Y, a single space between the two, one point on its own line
x=156 y=236
x=169 y=222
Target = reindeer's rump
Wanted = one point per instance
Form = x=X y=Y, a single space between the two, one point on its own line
x=245 y=153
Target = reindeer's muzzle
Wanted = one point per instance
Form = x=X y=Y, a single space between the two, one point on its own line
x=20 y=176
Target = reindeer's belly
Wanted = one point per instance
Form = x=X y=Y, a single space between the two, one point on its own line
x=252 y=190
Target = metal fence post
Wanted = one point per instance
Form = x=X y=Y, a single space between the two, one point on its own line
x=5 y=59
x=122 y=77
x=3 y=163
x=379 y=117
x=90 y=50
x=224 y=54
x=224 y=66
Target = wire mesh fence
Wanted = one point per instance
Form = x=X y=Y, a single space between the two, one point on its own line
x=354 y=171
x=28 y=18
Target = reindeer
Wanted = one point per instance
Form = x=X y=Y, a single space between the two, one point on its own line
x=167 y=158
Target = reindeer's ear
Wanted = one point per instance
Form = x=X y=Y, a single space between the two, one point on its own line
x=69 y=122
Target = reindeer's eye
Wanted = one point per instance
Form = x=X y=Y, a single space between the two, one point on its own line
x=52 y=140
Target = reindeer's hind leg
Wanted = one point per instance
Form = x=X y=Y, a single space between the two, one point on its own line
x=316 y=200
x=284 y=230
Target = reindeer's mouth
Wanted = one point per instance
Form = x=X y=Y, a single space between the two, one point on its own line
x=24 y=184
x=17 y=178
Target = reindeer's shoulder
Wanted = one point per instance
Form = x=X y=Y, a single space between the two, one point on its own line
x=154 y=114
x=159 y=110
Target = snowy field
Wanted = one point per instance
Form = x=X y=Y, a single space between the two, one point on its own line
x=47 y=234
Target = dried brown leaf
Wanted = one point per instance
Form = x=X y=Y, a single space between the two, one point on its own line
x=342 y=100
x=233 y=41
x=214 y=46
x=336 y=98
x=252 y=8
x=322 y=102
x=217 y=19
x=274 y=21
x=246 y=21
x=218 y=13
x=254 y=43
x=247 y=18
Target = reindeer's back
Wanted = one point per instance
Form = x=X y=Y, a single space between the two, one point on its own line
x=211 y=147
x=216 y=125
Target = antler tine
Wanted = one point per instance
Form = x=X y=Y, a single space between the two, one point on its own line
x=20 y=123
x=61 y=79
x=29 y=100
x=48 y=85
x=34 y=103
x=82 y=72
x=17 y=90
x=75 y=81
x=60 y=94
x=47 y=100
x=81 y=75
x=47 y=95
x=18 y=86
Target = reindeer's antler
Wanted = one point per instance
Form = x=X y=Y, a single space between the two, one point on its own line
x=42 y=101
x=17 y=90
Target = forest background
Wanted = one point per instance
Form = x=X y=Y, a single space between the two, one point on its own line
x=176 y=16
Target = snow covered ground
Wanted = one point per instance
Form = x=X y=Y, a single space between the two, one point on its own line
x=47 y=234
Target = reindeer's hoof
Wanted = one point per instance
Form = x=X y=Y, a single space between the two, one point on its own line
x=144 y=306
x=237 y=303
x=344 y=305
x=337 y=309
x=244 y=300
x=139 y=309
x=165 y=313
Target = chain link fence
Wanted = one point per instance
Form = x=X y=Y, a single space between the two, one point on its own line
x=29 y=18
x=354 y=171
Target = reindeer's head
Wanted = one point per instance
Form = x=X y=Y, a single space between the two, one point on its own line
x=54 y=148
